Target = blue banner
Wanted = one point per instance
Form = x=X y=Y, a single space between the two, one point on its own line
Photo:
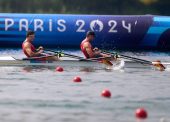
x=62 y=31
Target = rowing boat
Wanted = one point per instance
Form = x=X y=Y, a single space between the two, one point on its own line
x=64 y=61
x=72 y=62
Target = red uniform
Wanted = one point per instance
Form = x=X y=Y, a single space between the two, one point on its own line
x=84 y=50
x=25 y=52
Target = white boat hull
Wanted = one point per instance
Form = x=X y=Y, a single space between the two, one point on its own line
x=10 y=61
x=67 y=62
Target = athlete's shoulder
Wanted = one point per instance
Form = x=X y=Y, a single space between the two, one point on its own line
x=26 y=44
x=85 y=42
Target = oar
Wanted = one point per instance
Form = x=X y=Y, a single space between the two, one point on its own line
x=62 y=54
x=157 y=64
x=108 y=57
x=106 y=62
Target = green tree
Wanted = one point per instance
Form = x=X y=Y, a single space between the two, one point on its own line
x=113 y=7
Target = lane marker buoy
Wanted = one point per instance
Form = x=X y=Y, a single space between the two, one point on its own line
x=141 y=113
x=106 y=93
x=77 y=79
x=59 y=69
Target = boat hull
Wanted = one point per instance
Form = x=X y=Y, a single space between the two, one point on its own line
x=68 y=62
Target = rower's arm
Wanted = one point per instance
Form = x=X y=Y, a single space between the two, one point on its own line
x=89 y=50
x=30 y=52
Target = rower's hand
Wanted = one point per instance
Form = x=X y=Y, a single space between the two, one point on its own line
x=96 y=49
x=40 y=48
x=116 y=56
x=40 y=51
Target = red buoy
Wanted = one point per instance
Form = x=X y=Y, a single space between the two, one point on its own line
x=141 y=113
x=106 y=93
x=77 y=79
x=59 y=69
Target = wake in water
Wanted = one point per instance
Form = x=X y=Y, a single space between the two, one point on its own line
x=117 y=66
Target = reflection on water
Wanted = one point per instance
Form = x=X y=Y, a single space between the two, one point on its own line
x=37 y=68
x=85 y=69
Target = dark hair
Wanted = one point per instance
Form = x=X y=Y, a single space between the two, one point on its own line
x=90 y=33
x=30 y=32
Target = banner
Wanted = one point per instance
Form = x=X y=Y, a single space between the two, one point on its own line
x=67 y=31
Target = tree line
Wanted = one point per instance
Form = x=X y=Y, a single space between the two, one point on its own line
x=112 y=7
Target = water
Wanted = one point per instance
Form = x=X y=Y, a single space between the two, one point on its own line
x=39 y=94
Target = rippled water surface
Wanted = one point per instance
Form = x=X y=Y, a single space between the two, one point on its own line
x=40 y=94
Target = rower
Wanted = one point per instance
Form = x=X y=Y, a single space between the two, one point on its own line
x=88 y=50
x=29 y=49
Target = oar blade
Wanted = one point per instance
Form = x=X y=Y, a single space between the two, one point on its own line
x=159 y=65
x=107 y=62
